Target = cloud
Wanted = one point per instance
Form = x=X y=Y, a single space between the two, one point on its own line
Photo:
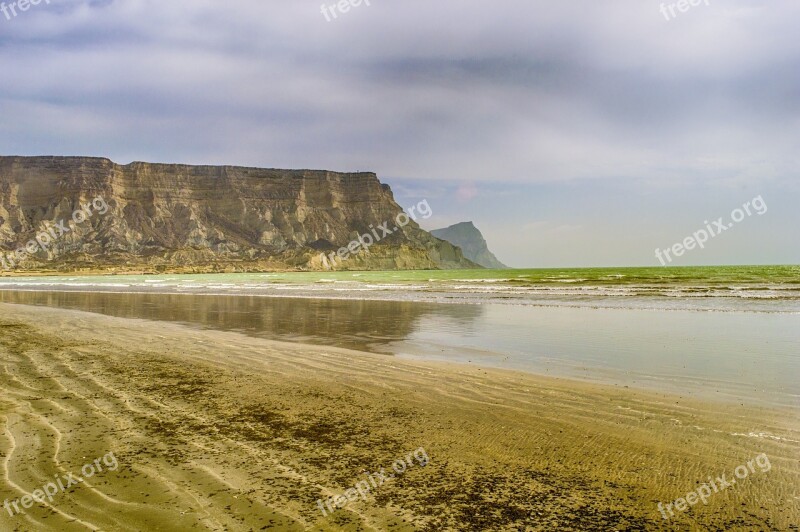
x=444 y=98
x=525 y=91
x=466 y=192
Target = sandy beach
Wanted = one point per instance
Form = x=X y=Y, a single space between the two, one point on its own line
x=215 y=430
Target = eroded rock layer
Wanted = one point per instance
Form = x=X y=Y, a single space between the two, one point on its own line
x=182 y=218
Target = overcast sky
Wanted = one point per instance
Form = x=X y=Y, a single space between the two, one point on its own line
x=573 y=133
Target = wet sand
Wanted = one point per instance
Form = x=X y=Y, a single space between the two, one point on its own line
x=216 y=430
x=742 y=357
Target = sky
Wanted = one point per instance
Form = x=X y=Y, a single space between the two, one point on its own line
x=572 y=133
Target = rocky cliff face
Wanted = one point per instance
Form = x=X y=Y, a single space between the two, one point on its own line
x=466 y=236
x=200 y=218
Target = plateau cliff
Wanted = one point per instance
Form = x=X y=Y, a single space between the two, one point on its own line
x=181 y=218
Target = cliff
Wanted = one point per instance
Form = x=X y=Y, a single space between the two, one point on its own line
x=181 y=218
x=466 y=236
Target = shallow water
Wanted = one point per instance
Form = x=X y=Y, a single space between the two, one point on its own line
x=745 y=356
x=772 y=289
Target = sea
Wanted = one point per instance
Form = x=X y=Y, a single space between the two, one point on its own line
x=718 y=333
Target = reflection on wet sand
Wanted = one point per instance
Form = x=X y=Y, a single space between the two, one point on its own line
x=217 y=430
x=362 y=325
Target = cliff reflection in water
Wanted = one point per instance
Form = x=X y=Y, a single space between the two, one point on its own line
x=364 y=325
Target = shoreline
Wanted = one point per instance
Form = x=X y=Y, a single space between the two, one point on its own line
x=697 y=289
x=214 y=428
x=454 y=301
x=705 y=365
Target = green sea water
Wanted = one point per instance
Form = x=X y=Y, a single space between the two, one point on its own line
x=722 y=288
x=679 y=276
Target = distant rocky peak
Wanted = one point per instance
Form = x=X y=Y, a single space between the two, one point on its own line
x=466 y=236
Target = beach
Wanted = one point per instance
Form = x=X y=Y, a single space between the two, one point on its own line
x=214 y=429
x=524 y=266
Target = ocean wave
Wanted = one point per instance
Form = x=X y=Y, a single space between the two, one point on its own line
x=716 y=290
